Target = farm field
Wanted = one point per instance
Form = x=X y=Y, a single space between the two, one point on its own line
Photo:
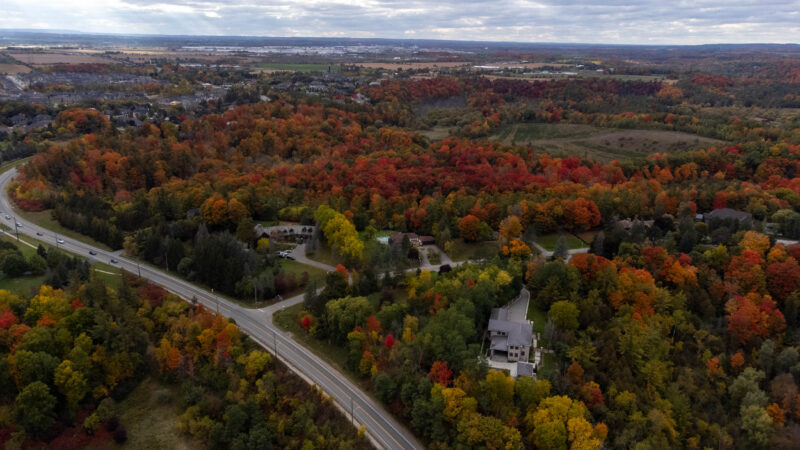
x=286 y=67
x=59 y=58
x=601 y=144
x=13 y=69
x=411 y=65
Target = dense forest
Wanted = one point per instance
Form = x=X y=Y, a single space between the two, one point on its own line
x=71 y=356
x=670 y=332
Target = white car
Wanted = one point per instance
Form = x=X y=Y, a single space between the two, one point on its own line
x=60 y=241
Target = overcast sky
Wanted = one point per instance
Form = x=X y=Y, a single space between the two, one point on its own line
x=601 y=21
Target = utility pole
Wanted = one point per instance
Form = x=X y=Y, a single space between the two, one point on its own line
x=138 y=268
x=352 y=413
x=216 y=300
x=275 y=342
x=57 y=245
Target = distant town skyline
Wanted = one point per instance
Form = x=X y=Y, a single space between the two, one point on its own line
x=578 y=21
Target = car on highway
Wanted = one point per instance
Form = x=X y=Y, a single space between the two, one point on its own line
x=113 y=261
x=19 y=225
x=8 y=217
x=60 y=241
x=38 y=233
x=92 y=252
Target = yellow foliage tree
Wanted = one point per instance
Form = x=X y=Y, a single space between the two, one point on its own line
x=755 y=241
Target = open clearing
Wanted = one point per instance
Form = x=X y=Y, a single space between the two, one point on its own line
x=150 y=414
x=411 y=65
x=282 y=67
x=435 y=133
x=13 y=69
x=549 y=241
x=599 y=144
x=59 y=58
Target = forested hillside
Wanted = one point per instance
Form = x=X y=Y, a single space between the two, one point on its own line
x=672 y=329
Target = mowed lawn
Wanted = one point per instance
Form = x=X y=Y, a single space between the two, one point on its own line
x=29 y=285
x=463 y=251
x=548 y=241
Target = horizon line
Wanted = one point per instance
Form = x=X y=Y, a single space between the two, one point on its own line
x=553 y=43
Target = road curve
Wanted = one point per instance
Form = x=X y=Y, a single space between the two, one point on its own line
x=383 y=429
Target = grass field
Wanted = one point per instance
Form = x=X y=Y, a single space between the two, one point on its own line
x=13 y=69
x=29 y=285
x=284 y=67
x=435 y=133
x=539 y=319
x=297 y=268
x=548 y=241
x=150 y=415
x=600 y=144
x=462 y=251
x=325 y=255
x=546 y=365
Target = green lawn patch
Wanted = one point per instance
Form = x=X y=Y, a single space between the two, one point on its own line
x=150 y=416
x=538 y=317
x=22 y=286
x=325 y=255
x=546 y=365
x=462 y=251
x=548 y=241
x=385 y=233
x=111 y=275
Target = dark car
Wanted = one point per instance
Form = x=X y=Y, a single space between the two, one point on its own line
x=92 y=252
x=113 y=261
x=38 y=233
x=289 y=257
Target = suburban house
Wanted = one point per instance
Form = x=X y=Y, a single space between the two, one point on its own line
x=726 y=214
x=286 y=233
x=416 y=240
x=510 y=337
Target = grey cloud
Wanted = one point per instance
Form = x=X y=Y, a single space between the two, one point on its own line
x=604 y=21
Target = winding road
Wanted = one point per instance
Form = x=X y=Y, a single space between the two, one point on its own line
x=383 y=429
